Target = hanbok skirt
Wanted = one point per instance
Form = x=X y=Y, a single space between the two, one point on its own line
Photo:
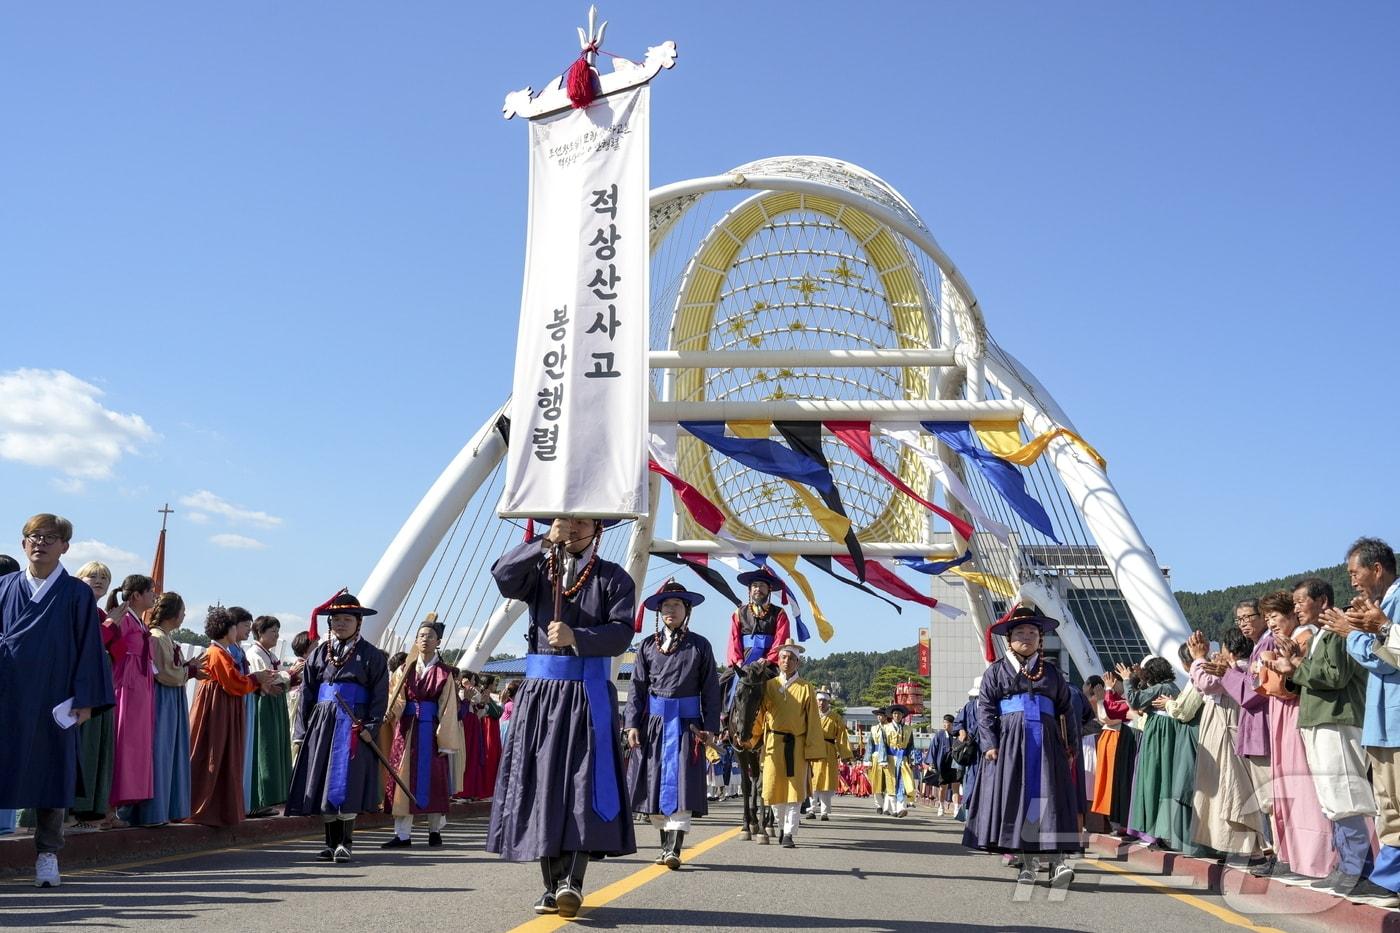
x=1302 y=833
x=218 y=739
x=1228 y=818
x=1166 y=783
x=544 y=795
x=312 y=778
x=250 y=711
x=644 y=765
x=96 y=746
x=272 y=752
x=1113 y=780
x=998 y=818
x=170 y=762
x=134 y=725
x=473 y=757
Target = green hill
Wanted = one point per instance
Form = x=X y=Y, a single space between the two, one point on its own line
x=1213 y=611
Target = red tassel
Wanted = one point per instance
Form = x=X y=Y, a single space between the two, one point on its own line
x=529 y=529
x=580 y=83
x=312 y=630
x=987 y=650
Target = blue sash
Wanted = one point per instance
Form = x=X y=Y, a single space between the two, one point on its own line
x=595 y=674
x=899 y=789
x=756 y=646
x=1032 y=705
x=672 y=710
x=425 y=712
x=342 y=739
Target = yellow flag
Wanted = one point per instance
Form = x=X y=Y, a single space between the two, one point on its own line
x=789 y=563
x=834 y=523
x=753 y=430
x=1003 y=438
x=988 y=581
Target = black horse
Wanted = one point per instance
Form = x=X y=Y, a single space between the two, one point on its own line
x=739 y=720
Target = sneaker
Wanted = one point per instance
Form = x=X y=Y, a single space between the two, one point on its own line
x=546 y=905
x=342 y=853
x=326 y=854
x=46 y=871
x=1061 y=875
x=788 y=842
x=568 y=899
x=825 y=818
x=1329 y=883
x=1365 y=891
x=1025 y=876
x=396 y=843
x=434 y=840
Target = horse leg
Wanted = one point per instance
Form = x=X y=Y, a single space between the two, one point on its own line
x=747 y=832
x=763 y=814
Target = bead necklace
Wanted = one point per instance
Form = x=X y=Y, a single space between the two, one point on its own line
x=680 y=634
x=572 y=591
x=346 y=651
x=1033 y=669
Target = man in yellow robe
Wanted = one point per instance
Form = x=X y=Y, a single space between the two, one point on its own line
x=836 y=747
x=792 y=736
x=899 y=768
x=878 y=754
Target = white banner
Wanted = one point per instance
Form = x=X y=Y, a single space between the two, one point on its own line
x=578 y=415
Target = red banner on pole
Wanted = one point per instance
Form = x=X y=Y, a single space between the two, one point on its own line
x=923 y=652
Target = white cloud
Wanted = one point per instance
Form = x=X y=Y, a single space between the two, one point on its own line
x=80 y=552
x=197 y=518
x=237 y=542
x=207 y=501
x=51 y=418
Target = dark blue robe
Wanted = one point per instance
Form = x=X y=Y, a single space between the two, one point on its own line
x=544 y=801
x=49 y=651
x=966 y=720
x=998 y=817
x=311 y=777
x=689 y=671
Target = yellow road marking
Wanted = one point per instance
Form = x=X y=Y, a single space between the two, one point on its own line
x=624 y=886
x=1215 y=910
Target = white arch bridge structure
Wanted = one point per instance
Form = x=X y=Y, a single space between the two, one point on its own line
x=807 y=289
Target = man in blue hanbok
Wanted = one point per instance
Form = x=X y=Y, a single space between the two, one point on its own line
x=54 y=675
x=559 y=792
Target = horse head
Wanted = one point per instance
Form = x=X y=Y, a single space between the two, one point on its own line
x=739 y=719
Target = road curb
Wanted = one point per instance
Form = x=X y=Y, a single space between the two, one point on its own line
x=92 y=849
x=1314 y=908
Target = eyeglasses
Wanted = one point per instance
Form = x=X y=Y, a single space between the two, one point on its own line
x=1252 y=615
x=43 y=539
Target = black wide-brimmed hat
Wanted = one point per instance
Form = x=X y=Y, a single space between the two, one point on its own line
x=898 y=708
x=761 y=575
x=672 y=590
x=1025 y=617
x=345 y=604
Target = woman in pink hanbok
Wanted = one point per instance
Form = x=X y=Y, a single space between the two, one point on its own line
x=133 y=676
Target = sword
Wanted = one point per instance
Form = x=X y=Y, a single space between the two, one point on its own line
x=358 y=727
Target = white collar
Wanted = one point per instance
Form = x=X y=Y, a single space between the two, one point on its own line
x=38 y=589
x=425 y=665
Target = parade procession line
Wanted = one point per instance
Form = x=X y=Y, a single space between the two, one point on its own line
x=632 y=882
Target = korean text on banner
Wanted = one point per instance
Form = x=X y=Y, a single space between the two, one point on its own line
x=923 y=652
x=578 y=414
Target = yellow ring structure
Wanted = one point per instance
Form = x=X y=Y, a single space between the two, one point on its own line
x=701 y=292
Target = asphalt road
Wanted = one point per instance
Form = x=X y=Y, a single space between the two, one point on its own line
x=858 y=872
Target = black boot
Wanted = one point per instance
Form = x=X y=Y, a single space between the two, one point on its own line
x=546 y=905
x=332 y=840
x=347 y=841
x=673 y=851
x=569 y=895
x=665 y=847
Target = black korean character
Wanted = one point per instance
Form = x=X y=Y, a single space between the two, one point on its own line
x=602 y=367
x=553 y=360
x=550 y=399
x=606 y=241
x=559 y=322
x=600 y=279
x=609 y=326
x=605 y=201
x=546 y=443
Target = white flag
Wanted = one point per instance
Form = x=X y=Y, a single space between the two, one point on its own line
x=578 y=415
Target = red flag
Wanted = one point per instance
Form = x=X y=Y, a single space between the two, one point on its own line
x=158 y=565
x=706 y=514
x=856 y=435
x=882 y=578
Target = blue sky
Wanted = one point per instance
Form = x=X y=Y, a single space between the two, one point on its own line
x=284 y=243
